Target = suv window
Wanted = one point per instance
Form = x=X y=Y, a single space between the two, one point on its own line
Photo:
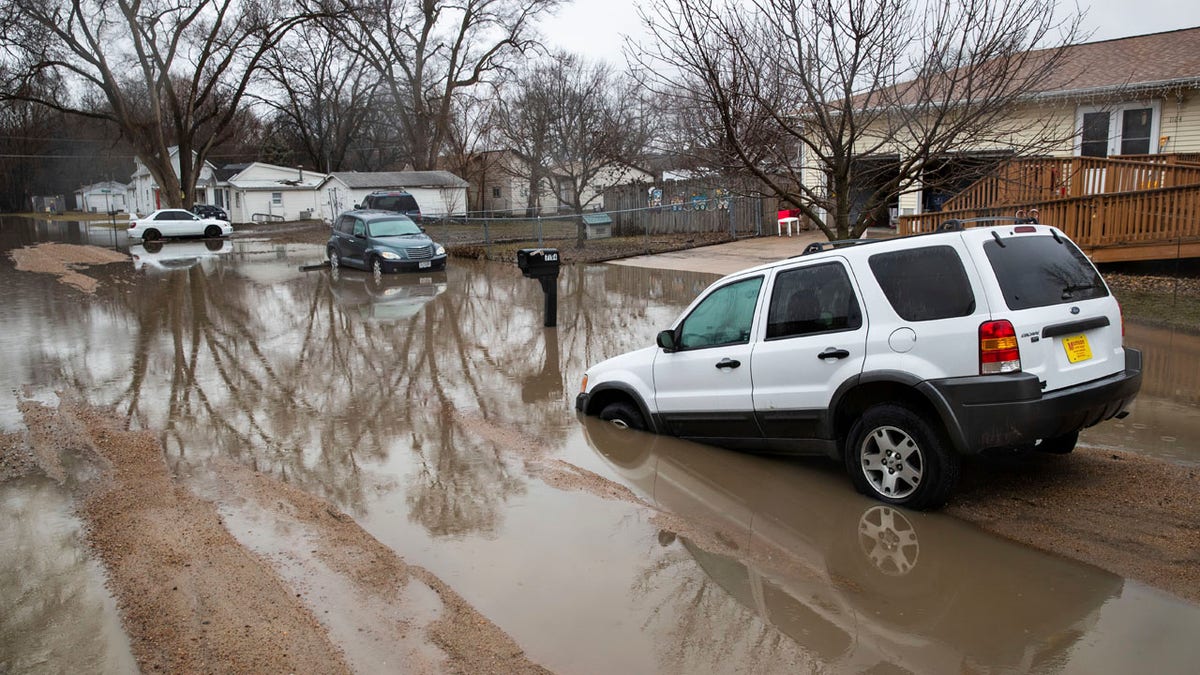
x=359 y=228
x=811 y=300
x=924 y=284
x=723 y=318
x=1037 y=271
x=398 y=203
x=345 y=224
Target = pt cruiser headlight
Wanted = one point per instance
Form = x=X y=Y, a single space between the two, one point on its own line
x=439 y=250
x=388 y=255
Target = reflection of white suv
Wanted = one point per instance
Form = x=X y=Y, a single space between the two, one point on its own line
x=894 y=356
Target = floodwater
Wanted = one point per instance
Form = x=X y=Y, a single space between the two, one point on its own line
x=393 y=400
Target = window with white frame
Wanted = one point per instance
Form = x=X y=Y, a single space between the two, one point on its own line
x=276 y=199
x=1120 y=129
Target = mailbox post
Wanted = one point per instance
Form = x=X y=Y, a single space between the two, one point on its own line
x=542 y=264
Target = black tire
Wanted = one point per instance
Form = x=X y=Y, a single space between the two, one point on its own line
x=1059 y=445
x=896 y=456
x=623 y=414
x=212 y=231
x=335 y=260
x=151 y=235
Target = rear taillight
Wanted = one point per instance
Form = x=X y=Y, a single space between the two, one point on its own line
x=998 y=350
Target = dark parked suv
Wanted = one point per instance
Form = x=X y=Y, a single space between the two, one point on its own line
x=382 y=241
x=210 y=211
x=396 y=201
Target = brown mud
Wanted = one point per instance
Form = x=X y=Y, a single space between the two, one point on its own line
x=64 y=261
x=195 y=599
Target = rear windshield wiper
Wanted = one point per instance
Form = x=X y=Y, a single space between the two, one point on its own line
x=1071 y=288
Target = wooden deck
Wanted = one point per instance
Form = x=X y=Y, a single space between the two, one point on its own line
x=1115 y=209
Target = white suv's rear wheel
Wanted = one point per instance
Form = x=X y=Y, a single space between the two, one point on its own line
x=896 y=456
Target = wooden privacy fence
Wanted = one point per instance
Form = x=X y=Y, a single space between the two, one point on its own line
x=1139 y=225
x=686 y=206
x=1020 y=181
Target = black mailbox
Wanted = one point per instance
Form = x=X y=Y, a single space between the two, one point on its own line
x=542 y=264
x=536 y=263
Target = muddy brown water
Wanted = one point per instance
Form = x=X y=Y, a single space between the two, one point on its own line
x=419 y=405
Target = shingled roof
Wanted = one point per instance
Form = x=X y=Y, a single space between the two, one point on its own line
x=359 y=180
x=1156 y=60
x=1138 y=65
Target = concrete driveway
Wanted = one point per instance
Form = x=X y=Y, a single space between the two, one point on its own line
x=725 y=259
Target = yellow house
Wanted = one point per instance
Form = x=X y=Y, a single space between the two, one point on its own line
x=1131 y=96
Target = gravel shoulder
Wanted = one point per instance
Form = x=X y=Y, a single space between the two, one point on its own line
x=1134 y=516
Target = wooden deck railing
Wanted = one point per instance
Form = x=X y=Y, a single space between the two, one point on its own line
x=1172 y=158
x=1158 y=223
x=1021 y=181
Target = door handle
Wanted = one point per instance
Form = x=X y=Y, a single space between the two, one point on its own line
x=729 y=363
x=832 y=353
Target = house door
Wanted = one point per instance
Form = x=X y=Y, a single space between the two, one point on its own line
x=1130 y=129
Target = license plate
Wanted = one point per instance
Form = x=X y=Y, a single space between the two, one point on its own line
x=424 y=264
x=1077 y=348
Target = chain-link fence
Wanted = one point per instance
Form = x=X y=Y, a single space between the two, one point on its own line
x=726 y=216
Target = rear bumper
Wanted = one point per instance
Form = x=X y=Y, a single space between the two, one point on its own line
x=997 y=411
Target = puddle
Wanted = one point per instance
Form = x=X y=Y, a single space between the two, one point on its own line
x=57 y=616
x=373 y=394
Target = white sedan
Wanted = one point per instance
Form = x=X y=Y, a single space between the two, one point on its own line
x=176 y=223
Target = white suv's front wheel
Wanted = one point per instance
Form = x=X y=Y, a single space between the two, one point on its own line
x=896 y=456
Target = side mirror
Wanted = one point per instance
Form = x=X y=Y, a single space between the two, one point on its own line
x=666 y=340
x=360 y=235
x=358 y=206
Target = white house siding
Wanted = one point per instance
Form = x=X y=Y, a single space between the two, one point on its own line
x=93 y=199
x=143 y=189
x=609 y=177
x=252 y=193
x=259 y=204
x=335 y=197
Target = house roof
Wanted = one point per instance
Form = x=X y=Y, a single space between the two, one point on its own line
x=111 y=185
x=229 y=171
x=1158 y=59
x=397 y=179
x=1139 y=65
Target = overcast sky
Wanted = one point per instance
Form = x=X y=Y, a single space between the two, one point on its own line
x=596 y=28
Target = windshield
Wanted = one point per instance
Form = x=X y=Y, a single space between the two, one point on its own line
x=393 y=227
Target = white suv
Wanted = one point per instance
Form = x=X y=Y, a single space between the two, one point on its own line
x=895 y=356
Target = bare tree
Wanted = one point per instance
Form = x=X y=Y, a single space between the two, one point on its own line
x=471 y=132
x=577 y=124
x=427 y=53
x=863 y=94
x=324 y=95
x=166 y=73
x=522 y=116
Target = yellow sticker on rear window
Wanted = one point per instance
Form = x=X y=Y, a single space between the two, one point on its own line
x=1077 y=348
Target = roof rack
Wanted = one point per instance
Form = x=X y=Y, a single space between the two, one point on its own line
x=957 y=224
x=819 y=246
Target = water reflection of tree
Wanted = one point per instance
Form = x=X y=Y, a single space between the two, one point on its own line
x=55 y=608
x=279 y=375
